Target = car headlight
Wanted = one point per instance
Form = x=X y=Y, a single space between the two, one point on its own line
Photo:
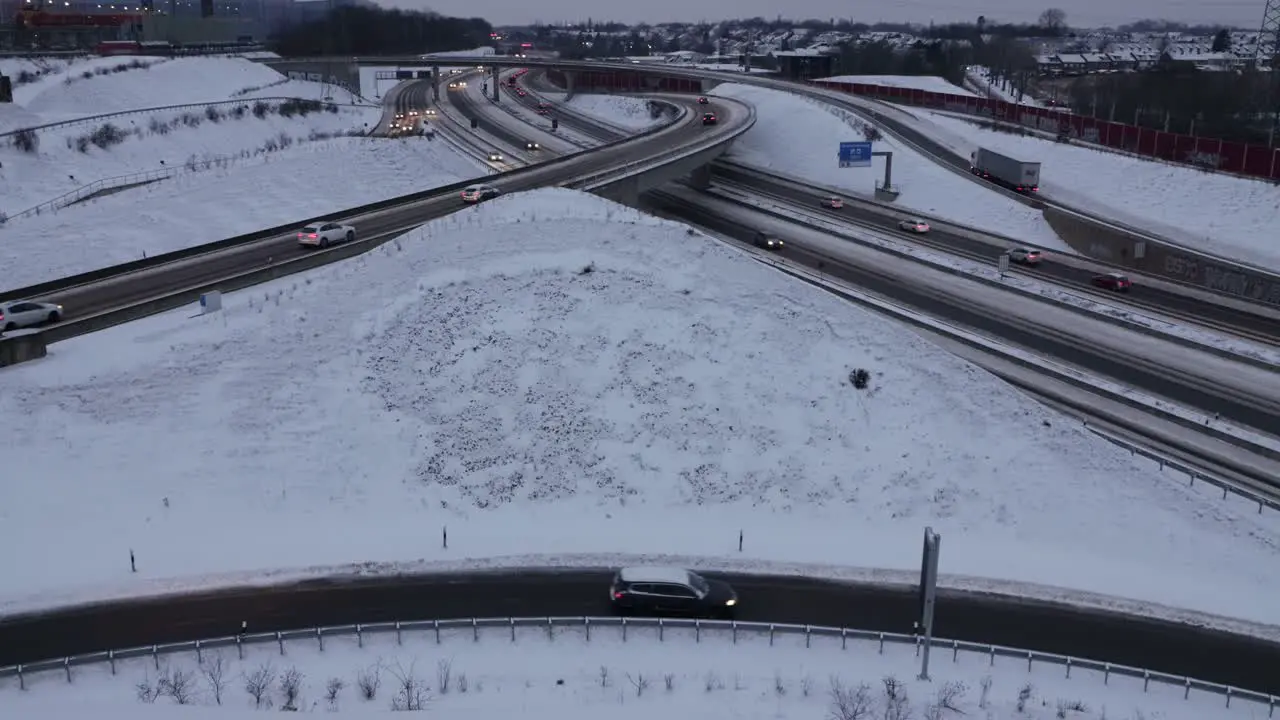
x=731 y=603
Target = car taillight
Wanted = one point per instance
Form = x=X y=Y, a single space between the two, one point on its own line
x=617 y=595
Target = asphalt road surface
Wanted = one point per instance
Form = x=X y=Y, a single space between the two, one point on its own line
x=1157 y=645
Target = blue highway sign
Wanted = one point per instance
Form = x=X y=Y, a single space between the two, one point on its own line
x=855 y=154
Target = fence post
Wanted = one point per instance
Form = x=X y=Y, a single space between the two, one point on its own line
x=1146 y=679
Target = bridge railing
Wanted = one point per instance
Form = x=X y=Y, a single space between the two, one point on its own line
x=664 y=626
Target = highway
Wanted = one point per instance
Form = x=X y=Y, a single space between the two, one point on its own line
x=134 y=287
x=979 y=617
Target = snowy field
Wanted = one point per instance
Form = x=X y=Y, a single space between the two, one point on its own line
x=930 y=83
x=629 y=113
x=797 y=136
x=476 y=371
x=49 y=163
x=1219 y=214
x=571 y=677
x=220 y=200
x=999 y=89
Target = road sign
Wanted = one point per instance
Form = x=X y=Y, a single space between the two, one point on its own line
x=855 y=154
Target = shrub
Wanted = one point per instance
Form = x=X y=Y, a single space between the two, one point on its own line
x=107 y=135
x=25 y=77
x=158 y=127
x=26 y=140
x=871 y=133
x=190 y=119
x=860 y=378
x=86 y=75
x=213 y=113
x=300 y=108
x=260 y=109
x=239 y=111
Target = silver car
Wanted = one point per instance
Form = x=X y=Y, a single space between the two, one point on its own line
x=27 y=313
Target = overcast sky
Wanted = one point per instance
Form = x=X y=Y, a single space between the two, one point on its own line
x=1242 y=13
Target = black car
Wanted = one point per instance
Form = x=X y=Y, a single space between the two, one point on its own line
x=708 y=118
x=703 y=101
x=668 y=591
x=1113 y=281
x=768 y=242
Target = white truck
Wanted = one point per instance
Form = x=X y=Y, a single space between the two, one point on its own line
x=1017 y=175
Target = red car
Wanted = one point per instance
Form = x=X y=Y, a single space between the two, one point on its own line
x=1113 y=281
x=703 y=101
x=708 y=118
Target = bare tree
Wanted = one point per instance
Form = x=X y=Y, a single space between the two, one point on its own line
x=779 y=685
x=713 y=682
x=177 y=684
x=604 y=676
x=214 y=669
x=258 y=683
x=639 y=682
x=290 y=687
x=849 y=703
x=1053 y=19
x=444 y=676
x=897 y=706
x=331 y=690
x=147 y=691
x=369 y=681
x=951 y=695
x=463 y=685
x=669 y=681
x=411 y=693
x=984 y=697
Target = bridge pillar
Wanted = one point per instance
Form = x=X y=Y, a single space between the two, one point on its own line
x=497 y=86
x=625 y=191
x=700 y=178
x=435 y=84
x=570 y=80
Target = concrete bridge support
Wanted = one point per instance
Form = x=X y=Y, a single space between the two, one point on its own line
x=700 y=177
x=435 y=84
x=496 y=79
x=570 y=80
x=626 y=191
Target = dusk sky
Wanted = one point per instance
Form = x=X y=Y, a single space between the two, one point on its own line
x=1242 y=13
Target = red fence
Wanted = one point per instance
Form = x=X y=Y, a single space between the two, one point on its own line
x=622 y=81
x=1207 y=153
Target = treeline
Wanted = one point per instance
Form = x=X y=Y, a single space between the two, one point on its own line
x=1226 y=105
x=375 y=31
x=944 y=58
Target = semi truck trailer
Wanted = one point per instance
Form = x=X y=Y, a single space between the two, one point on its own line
x=1017 y=175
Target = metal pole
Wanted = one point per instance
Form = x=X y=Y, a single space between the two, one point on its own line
x=929 y=588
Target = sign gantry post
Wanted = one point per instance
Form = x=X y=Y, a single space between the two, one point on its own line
x=928 y=595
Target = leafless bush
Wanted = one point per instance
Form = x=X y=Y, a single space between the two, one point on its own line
x=871 y=133
x=444 y=676
x=26 y=141
x=147 y=691
x=214 y=669
x=1066 y=707
x=1024 y=696
x=178 y=684
x=369 y=681
x=298 y=107
x=260 y=109
x=258 y=683
x=105 y=136
x=190 y=119
x=462 y=683
x=712 y=682
x=897 y=706
x=849 y=703
x=238 y=112
x=639 y=682
x=411 y=693
x=332 y=689
x=779 y=685
x=892 y=687
x=737 y=682
x=213 y=114
x=669 y=681
x=983 y=697
x=806 y=685
x=159 y=127
x=290 y=686
x=951 y=695
x=604 y=676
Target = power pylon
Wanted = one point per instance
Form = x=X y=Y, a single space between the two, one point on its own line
x=1265 y=56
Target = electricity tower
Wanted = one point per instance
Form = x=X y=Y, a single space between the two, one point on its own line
x=1266 y=55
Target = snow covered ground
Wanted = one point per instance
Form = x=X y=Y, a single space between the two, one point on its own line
x=630 y=113
x=49 y=163
x=1219 y=214
x=999 y=89
x=219 y=200
x=931 y=83
x=571 y=677
x=798 y=136
x=475 y=372
x=473 y=52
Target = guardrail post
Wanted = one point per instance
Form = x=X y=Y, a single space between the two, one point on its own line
x=551 y=633
x=320 y=638
x=1230 y=692
x=808 y=632
x=240 y=646
x=1186 y=691
x=280 y=641
x=22 y=680
x=955 y=651
x=1271 y=701
x=1146 y=679
x=993 y=656
x=66 y=665
x=111 y=657
x=1106 y=673
x=513 y=628
x=437 y=624
x=399 y=635
x=155 y=655
x=1068 y=668
x=697 y=630
x=359 y=635
x=1030 y=658
x=475 y=631
x=735 y=632
x=662 y=630
x=199 y=652
x=771 y=630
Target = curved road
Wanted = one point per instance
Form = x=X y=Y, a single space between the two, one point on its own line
x=1156 y=645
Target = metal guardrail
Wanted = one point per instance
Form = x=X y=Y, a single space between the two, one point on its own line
x=662 y=625
x=165 y=108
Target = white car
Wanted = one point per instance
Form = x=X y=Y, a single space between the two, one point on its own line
x=429 y=112
x=496 y=157
x=325 y=234
x=478 y=193
x=915 y=225
x=27 y=313
x=532 y=146
x=834 y=202
x=1025 y=256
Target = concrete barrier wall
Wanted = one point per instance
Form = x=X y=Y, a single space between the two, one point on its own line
x=343 y=74
x=21 y=348
x=1118 y=246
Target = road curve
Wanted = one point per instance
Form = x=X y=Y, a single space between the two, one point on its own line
x=1106 y=636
